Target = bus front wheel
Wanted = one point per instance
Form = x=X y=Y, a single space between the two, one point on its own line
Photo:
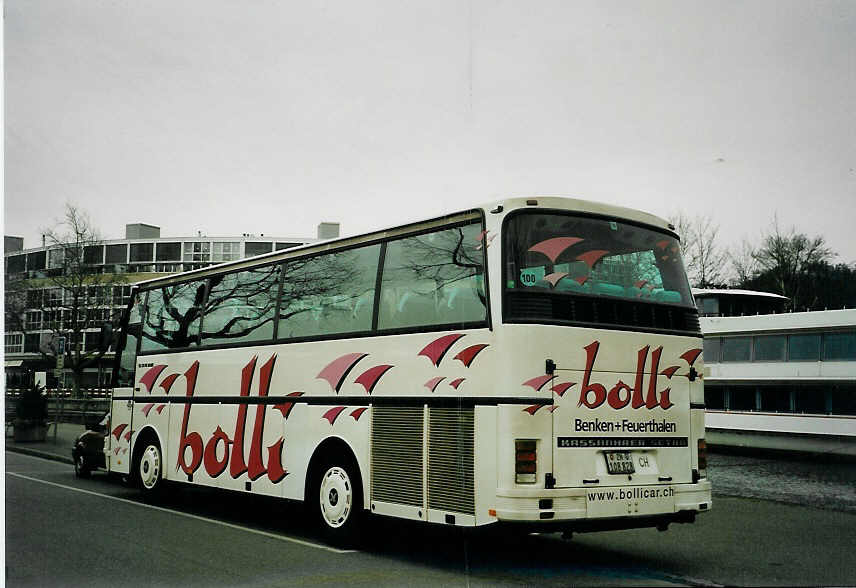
x=148 y=468
x=338 y=497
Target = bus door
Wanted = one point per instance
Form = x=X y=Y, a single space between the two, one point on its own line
x=117 y=444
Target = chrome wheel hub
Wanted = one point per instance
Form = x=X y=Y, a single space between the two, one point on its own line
x=150 y=463
x=337 y=495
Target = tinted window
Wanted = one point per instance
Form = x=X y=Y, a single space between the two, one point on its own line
x=585 y=256
x=16 y=263
x=124 y=376
x=251 y=249
x=433 y=279
x=742 y=398
x=839 y=346
x=36 y=261
x=810 y=400
x=93 y=254
x=770 y=348
x=714 y=397
x=736 y=348
x=329 y=294
x=711 y=349
x=173 y=316
x=142 y=251
x=804 y=347
x=241 y=306
x=117 y=254
x=169 y=252
x=776 y=399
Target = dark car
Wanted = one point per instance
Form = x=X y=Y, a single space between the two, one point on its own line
x=88 y=449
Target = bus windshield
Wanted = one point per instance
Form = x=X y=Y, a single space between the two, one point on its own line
x=613 y=266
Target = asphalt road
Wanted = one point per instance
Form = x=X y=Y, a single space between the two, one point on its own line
x=70 y=532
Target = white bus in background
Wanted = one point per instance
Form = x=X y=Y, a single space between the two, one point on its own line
x=533 y=362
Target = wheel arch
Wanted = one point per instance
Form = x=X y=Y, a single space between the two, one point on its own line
x=144 y=434
x=334 y=447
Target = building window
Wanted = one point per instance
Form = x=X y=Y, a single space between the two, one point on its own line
x=226 y=251
x=281 y=246
x=142 y=251
x=197 y=251
x=16 y=264
x=804 y=347
x=252 y=249
x=14 y=343
x=117 y=254
x=736 y=348
x=56 y=257
x=93 y=254
x=34 y=320
x=770 y=348
x=839 y=346
x=711 y=349
x=168 y=252
x=36 y=261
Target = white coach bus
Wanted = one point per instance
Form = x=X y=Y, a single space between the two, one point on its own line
x=534 y=362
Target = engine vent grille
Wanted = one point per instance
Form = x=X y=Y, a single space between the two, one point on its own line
x=397 y=462
x=450 y=460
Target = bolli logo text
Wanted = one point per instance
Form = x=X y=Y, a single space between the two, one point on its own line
x=594 y=394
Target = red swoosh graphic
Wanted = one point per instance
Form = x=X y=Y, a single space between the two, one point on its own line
x=117 y=432
x=168 y=381
x=359 y=412
x=554 y=247
x=469 y=354
x=436 y=349
x=592 y=257
x=148 y=408
x=560 y=389
x=455 y=383
x=148 y=379
x=128 y=435
x=370 y=377
x=669 y=371
x=554 y=407
x=332 y=414
x=160 y=408
x=534 y=408
x=285 y=407
x=538 y=383
x=555 y=277
x=691 y=355
x=432 y=383
x=337 y=369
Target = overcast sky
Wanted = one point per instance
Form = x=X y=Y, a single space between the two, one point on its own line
x=229 y=117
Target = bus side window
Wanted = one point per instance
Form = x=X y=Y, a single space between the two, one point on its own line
x=128 y=356
x=433 y=279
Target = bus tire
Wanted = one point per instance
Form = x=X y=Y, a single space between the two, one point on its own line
x=148 y=467
x=337 y=497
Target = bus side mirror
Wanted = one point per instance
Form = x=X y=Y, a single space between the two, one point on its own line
x=106 y=337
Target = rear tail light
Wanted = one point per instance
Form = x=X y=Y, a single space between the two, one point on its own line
x=702 y=458
x=525 y=461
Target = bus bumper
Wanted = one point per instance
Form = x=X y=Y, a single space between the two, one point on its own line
x=657 y=504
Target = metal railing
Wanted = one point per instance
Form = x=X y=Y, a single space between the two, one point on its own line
x=64 y=408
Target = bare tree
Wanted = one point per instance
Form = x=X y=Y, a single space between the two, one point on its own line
x=75 y=297
x=786 y=258
x=743 y=262
x=704 y=260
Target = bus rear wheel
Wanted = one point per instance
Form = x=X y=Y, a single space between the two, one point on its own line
x=337 y=494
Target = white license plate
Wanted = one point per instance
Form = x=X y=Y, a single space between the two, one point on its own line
x=619 y=462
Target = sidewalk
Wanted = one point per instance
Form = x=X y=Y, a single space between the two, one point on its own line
x=56 y=450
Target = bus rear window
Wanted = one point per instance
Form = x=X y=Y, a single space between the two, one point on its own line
x=610 y=269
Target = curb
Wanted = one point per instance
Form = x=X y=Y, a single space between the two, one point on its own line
x=41 y=454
